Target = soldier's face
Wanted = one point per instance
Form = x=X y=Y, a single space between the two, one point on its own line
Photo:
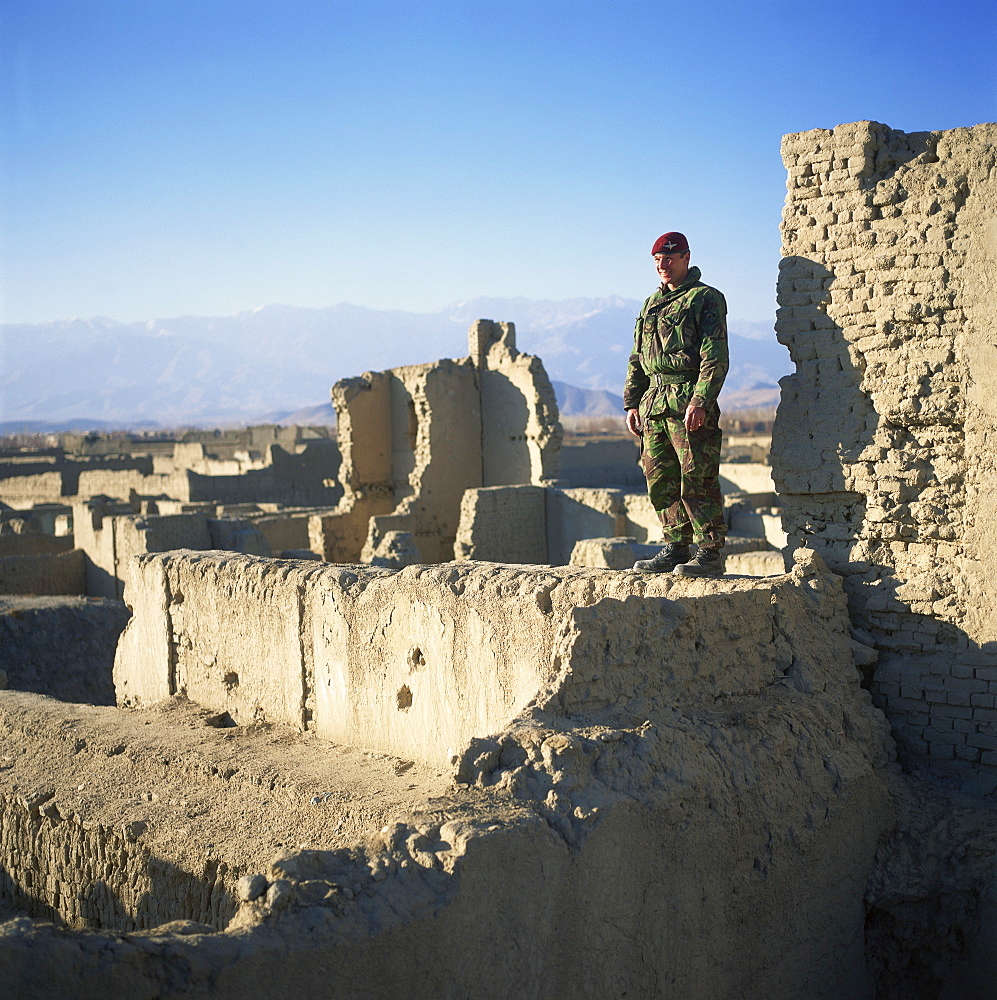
x=672 y=268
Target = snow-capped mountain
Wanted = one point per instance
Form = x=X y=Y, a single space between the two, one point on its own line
x=277 y=359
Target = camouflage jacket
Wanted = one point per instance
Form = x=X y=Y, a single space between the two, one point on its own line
x=681 y=337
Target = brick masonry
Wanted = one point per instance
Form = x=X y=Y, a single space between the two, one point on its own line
x=883 y=448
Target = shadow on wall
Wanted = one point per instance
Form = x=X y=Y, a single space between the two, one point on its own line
x=62 y=649
x=87 y=899
x=824 y=419
x=887 y=161
x=505 y=456
x=868 y=456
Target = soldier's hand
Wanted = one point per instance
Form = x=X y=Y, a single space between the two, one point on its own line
x=695 y=417
x=633 y=422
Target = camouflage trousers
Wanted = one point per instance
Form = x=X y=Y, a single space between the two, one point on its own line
x=683 y=472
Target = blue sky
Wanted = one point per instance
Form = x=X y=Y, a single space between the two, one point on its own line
x=168 y=157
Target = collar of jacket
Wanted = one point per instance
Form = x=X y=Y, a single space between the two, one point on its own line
x=691 y=278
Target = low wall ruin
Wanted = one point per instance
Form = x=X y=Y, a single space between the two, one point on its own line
x=416 y=663
x=111 y=540
x=882 y=448
x=612 y=462
x=302 y=472
x=545 y=524
x=641 y=719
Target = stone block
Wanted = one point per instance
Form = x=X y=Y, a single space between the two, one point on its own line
x=982 y=740
x=610 y=553
x=952 y=711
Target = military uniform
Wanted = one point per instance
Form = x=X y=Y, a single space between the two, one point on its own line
x=680 y=357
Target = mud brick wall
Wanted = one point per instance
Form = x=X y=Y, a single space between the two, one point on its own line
x=503 y=524
x=86 y=875
x=60 y=646
x=44 y=573
x=416 y=662
x=884 y=445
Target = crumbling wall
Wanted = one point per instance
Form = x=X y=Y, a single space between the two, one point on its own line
x=33 y=561
x=883 y=449
x=121 y=484
x=416 y=663
x=42 y=487
x=613 y=462
x=520 y=428
x=435 y=456
x=49 y=857
x=752 y=479
x=414 y=439
x=31 y=533
x=363 y=411
x=693 y=796
x=111 y=539
x=44 y=573
x=543 y=524
x=194 y=455
x=286 y=529
x=534 y=524
x=50 y=478
x=574 y=514
x=503 y=524
x=134 y=820
x=304 y=476
x=307 y=478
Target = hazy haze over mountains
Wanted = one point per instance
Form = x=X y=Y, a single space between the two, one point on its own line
x=267 y=363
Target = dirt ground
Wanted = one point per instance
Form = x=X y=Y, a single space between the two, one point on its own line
x=193 y=789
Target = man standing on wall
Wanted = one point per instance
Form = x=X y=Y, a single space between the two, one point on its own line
x=677 y=368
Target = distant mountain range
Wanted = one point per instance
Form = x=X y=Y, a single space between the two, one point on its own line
x=268 y=364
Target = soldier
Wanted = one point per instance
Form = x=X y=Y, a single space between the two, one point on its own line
x=678 y=365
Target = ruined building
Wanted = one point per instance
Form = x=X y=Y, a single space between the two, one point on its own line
x=883 y=447
x=72 y=516
x=414 y=439
x=271 y=464
x=461 y=459
x=449 y=459
x=466 y=778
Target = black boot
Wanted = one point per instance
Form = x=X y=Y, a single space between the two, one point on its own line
x=707 y=562
x=666 y=560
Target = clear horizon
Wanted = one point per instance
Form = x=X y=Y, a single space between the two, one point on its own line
x=202 y=159
x=447 y=307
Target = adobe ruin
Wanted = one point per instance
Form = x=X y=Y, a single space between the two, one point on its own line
x=882 y=445
x=480 y=779
x=413 y=439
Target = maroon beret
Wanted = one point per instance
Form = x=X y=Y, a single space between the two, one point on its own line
x=670 y=243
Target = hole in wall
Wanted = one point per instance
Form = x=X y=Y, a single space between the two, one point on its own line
x=416 y=658
x=404 y=698
x=220 y=720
